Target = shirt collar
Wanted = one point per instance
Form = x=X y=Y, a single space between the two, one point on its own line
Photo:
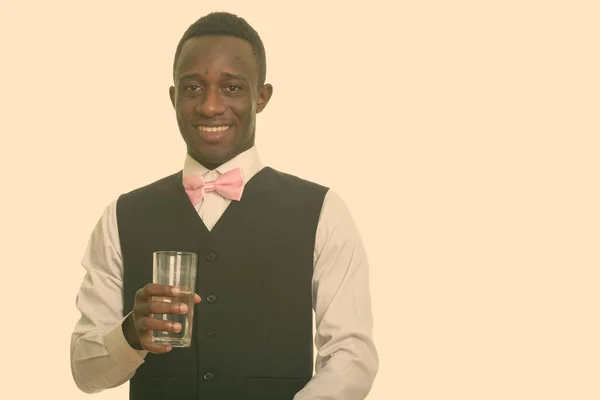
x=248 y=161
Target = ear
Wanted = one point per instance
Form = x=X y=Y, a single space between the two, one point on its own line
x=264 y=95
x=172 y=95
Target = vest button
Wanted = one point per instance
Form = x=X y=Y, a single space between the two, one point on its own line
x=211 y=298
x=210 y=334
x=211 y=256
x=208 y=376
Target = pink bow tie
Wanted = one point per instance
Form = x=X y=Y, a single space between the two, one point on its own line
x=229 y=185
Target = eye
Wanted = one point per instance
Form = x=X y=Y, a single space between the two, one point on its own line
x=192 y=88
x=233 y=88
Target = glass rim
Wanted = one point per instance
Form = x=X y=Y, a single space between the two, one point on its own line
x=173 y=253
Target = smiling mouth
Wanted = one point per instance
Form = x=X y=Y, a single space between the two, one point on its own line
x=203 y=128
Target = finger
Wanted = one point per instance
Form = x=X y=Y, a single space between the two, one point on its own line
x=197 y=299
x=155 y=324
x=145 y=308
x=164 y=307
x=155 y=289
x=150 y=346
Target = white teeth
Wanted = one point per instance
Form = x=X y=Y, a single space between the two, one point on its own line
x=213 y=128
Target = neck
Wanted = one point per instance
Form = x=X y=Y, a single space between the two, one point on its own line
x=214 y=165
x=210 y=166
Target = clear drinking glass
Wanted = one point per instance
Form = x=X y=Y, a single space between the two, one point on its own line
x=176 y=268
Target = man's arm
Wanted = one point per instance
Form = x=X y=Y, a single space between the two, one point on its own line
x=347 y=360
x=101 y=357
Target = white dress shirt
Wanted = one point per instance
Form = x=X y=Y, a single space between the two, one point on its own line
x=346 y=360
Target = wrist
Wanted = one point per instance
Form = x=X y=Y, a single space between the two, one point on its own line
x=130 y=333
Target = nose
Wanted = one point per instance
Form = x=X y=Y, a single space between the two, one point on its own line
x=212 y=104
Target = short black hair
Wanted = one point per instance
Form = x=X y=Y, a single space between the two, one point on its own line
x=224 y=23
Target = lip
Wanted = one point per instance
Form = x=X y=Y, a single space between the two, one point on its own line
x=213 y=124
x=214 y=138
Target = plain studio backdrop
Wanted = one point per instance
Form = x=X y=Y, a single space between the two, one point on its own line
x=463 y=136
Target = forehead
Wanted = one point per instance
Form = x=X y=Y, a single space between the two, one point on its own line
x=217 y=54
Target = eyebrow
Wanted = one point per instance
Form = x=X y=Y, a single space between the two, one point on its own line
x=223 y=74
x=233 y=76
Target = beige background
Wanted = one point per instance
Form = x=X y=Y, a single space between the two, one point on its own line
x=463 y=136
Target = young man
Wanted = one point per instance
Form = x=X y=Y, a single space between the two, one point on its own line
x=271 y=249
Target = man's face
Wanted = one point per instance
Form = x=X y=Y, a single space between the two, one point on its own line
x=216 y=96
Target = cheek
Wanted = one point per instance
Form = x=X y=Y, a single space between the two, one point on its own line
x=186 y=107
x=245 y=110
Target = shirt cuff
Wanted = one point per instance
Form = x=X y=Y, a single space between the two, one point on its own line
x=120 y=350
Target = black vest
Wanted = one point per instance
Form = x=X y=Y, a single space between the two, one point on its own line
x=252 y=333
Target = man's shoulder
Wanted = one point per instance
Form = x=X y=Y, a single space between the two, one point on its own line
x=155 y=187
x=292 y=180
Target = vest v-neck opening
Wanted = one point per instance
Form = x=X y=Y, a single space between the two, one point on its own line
x=249 y=189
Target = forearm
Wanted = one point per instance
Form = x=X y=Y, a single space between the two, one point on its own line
x=347 y=374
x=103 y=359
